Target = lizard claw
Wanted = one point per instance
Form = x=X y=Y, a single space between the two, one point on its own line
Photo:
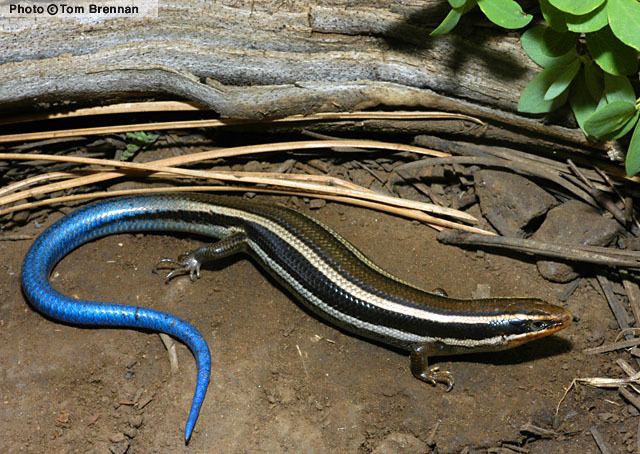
x=186 y=264
x=435 y=376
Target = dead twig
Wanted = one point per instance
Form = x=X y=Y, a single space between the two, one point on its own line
x=633 y=294
x=619 y=312
x=537 y=431
x=583 y=254
x=599 y=196
x=408 y=170
x=630 y=397
x=626 y=367
x=627 y=203
x=602 y=445
x=612 y=347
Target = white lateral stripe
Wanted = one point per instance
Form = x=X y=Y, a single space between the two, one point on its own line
x=370 y=327
x=340 y=281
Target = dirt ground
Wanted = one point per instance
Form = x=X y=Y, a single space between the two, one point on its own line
x=282 y=380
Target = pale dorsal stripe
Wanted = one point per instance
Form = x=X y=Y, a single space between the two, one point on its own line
x=324 y=268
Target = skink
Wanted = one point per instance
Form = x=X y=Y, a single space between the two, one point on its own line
x=324 y=271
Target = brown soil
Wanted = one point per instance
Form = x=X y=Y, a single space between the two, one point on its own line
x=282 y=380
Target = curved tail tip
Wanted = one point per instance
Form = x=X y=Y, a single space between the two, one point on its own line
x=188 y=430
x=191 y=423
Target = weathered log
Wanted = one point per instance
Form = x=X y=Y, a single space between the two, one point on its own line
x=260 y=43
x=263 y=43
x=262 y=59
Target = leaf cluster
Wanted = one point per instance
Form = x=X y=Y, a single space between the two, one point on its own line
x=588 y=50
x=136 y=141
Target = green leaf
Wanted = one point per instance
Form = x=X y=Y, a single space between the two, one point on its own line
x=532 y=97
x=624 y=20
x=544 y=45
x=593 y=77
x=632 y=162
x=627 y=127
x=448 y=23
x=582 y=103
x=553 y=16
x=609 y=119
x=457 y=3
x=558 y=43
x=576 y=7
x=611 y=54
x=590 y=22
x=505 y=13
x=618 y=88
x=127 y=153
x=563 y=80
x=142 y=137
x=451 y=19
x=533 y=44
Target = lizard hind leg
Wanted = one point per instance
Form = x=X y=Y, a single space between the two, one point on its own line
x=191 y=262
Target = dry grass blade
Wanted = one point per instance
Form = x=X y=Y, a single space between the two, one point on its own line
x=281 y=180
x=607 y=382
x=119 y=108
x=226 y=153
x=434 y=222
x=326 y=180
x=13 y=187
x=213 y=123
x=596 y=382
x=632 y=380
x=322 y=185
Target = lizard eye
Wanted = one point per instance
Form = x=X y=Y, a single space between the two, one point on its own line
x=524 y=325
x=538 y=325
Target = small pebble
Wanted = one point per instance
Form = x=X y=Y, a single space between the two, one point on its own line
x=117 y=437
x=119 y=448
x=396 y=443
x=252 y=166
x=607 y=417
x=130 y=432
x=136 y=421
x=315 y=204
